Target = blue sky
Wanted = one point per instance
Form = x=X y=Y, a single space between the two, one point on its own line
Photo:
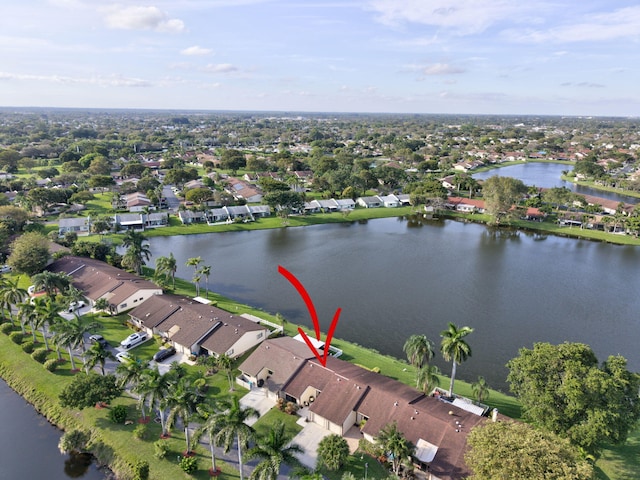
x=406 y=56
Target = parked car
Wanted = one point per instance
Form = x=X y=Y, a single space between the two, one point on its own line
x=124 y=357
x=5 y=269
x=98 y=339
x=133 y=340
x=164 y=353
x=73 y=306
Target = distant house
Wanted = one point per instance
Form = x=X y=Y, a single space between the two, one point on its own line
x=187 y=217
x=96 y=279
x=129 y=221
x=155 y=219
x=242 y=190
x=466 y=205
x=345 y=204
x=389 y=201
x=326 y=206
x=369 y=202
x=80 y=226
x=196 y=328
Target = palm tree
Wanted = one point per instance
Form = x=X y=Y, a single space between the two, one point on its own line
x=156 y=387
x=274 y=449
x=480 y=389
x=97 y=354
x=427 y=378
x=130 y=374
x=101 y=304
x=194 y=262
x=10 y=295
x=167 y=266
x=210 y=427
x=392 y=440
x=206 y=271
x=182 y=401
x=196 y=281
x=233 y=427
x=225 y=363
x=138 y=251
x=71 y=333
x=73 y=294
x=51 y=282
x=46 y=313
x=455 y=348
x=27 y=314
x=419 y=350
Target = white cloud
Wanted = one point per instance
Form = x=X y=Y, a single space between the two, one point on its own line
x=103 y=81
x=435 y=69
x=463 y=16
x=195 y=51
x=141 y=18
x=220 y=68
x=621 y=23
x=582 y=84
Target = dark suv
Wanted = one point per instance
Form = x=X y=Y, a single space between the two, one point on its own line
x=164 y=354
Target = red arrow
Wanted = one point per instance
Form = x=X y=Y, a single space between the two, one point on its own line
x=314 y=317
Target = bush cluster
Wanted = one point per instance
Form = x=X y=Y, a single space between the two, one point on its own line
x=40 y=354
x=51 y=364
x=118 y=414
x=28 y=346
x=16 y=337
x=6 y=328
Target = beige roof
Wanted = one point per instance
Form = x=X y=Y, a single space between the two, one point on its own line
x=98 y=279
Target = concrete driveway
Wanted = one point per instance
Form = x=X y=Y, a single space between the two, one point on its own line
x=257 y=398
x=308 y=439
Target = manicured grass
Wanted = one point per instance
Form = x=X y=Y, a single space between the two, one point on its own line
x=621 y=462
x=356 y=465
x=265 y=422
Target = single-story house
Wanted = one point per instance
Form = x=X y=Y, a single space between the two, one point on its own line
x=467 y=205
x=389 y=201
x=345 y=204
x=369 y=202
x=96 y=279
x=129 y=221
x=196 y=328
x=341 y=396
x=187 y=217
x=327 y=206
x=80 y=226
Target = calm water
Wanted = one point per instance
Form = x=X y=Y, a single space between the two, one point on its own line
x=547 y=175
x=394 y=278
x=28 y=445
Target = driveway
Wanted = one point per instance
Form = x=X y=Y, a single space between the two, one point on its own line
x=308 y=439
x=257 y=398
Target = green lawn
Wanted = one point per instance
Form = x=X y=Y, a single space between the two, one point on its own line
x=265 y=422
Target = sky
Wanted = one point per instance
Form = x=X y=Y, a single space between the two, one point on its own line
x=540 y=57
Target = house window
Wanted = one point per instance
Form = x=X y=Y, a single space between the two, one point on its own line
x=260 y=335
x=123 y=305
x=230 y=352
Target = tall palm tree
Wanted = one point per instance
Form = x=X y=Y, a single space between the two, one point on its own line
x=73 y=294
x=138 y=252
x=274 y=449
x=167 y=266
x=233 y=427
x=205 y=270
x=46 y=313
x=51 y=282
x=11 y=295
x=427 y=378
x=27 y=314
x=97 y=354
x=182 y=400
x=225 y=363
x=194 y=262
x=71 y=333
x=480 y=389
x=130 y=374
x=210 y=427
x=455 y=348
x=156 y=387
x=419 y=350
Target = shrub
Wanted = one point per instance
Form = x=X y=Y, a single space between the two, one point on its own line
x=27 y=347
x=161 y=449
x=74 y=441
x=40 y=354
x=51 y=364
x=6 y=328
x=141 y=470
x=16 y=337
x=118 y=414
x=189 y=464
x=291 y=408
x=141 y=431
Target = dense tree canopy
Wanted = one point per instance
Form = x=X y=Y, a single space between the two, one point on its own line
x=500 y=194
x=333 y=451
x=563 y=389
x=510 y=450
x=29 y=253
x=87 y=390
